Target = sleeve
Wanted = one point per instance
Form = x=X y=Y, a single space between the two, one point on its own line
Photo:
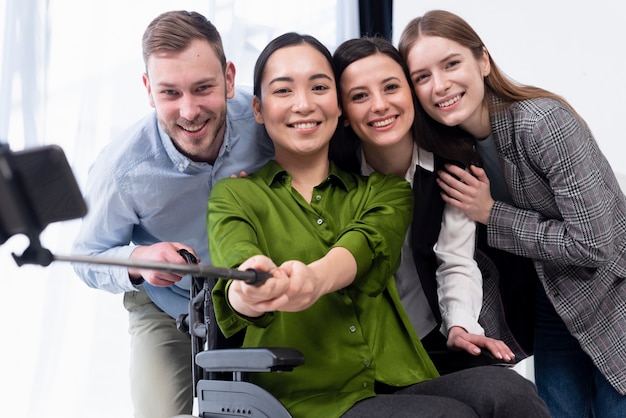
x=232 y=240
x=376 y=235
x=105 y=231
x=459 y=280
x=566 y=158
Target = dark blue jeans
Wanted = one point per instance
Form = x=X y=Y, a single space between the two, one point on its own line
x=566 y=378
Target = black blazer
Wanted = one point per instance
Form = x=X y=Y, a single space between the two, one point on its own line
x=508 y=304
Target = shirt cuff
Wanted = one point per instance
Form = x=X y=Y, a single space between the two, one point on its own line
x=460 y=318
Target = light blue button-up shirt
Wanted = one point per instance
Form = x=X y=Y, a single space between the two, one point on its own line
x=141 y=191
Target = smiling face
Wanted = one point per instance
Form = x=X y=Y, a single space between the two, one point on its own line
x=298 y=103
x=377 y=101
x=449 y=83
x=189 y=89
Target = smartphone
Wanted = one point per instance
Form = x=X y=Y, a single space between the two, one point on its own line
x=37 y=187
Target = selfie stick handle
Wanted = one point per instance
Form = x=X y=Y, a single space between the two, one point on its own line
x=249 y=276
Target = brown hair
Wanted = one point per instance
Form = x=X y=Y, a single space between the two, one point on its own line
x=500 y=90
x=426 y=132
x=173 y=32
x=447 y=25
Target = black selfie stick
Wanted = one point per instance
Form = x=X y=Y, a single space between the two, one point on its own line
x=201 y=270
x=37 y=187
x=37 y=254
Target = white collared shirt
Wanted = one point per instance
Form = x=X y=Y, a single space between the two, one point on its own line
x=459 y=281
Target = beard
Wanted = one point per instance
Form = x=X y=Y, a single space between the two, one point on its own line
x=203 y=146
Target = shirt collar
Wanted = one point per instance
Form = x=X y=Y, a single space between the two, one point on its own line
x=179 y=161
x=272 y=172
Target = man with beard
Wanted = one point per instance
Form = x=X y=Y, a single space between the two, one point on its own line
x=147 y=196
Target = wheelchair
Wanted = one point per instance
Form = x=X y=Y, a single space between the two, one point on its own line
x=219 y=374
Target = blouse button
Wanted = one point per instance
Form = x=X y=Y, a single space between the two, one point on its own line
x=318 y=198
x=320 y=221
x=352 y=329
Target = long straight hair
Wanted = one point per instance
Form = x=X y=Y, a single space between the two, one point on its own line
x=500 y=90
x=447 y=25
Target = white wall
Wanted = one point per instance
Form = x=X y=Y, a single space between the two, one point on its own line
x=573 y=48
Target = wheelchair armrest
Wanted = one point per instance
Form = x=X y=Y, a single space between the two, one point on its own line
x=250 y=359
x=448 y=361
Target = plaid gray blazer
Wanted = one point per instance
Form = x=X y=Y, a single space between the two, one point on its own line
x=570 y=218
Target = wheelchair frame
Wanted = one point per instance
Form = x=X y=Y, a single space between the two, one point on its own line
x=219 y=373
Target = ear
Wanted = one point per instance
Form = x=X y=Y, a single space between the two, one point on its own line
x=146 y=83
x=341 y=115
x=256 y=108
x=229 y=76
x=485 y=64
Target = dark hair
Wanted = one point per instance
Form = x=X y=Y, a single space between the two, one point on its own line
x=280 y=42
x=173 y=32
x=286 y=40
x=426 y=132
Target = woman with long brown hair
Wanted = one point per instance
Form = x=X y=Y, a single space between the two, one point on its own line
x=545 y=191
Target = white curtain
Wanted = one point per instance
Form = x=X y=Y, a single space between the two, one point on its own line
x=70 y=74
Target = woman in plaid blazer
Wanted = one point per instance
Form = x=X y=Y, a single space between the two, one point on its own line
x=545 y=191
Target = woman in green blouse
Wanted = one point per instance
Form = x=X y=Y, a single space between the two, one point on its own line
x=332 y=242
